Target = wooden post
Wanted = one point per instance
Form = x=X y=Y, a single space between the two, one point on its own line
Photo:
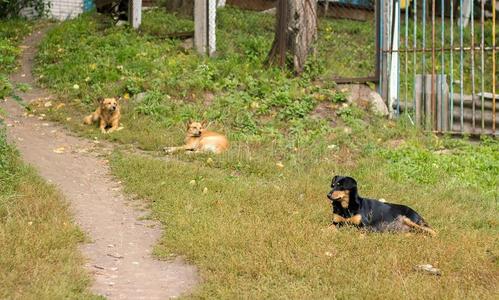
x=442 y=103
x=419 y=99
x=135 y=13
x=204 y=26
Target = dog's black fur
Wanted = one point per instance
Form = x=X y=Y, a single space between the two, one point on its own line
x=373 y=215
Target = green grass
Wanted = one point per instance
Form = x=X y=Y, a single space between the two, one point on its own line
x=260 y=229
x=12 y=32
x=262 y=237
x=253 y=101
x=38 y=239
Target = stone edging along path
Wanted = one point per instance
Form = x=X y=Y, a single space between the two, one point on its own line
x=119 y=254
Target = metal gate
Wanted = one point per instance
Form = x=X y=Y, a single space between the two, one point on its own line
x=437 y=63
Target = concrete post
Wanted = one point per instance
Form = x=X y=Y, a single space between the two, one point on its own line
x=204 y=26
x=135 y=13
x=394 y=58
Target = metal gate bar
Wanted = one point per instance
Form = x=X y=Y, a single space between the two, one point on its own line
x=471 y=110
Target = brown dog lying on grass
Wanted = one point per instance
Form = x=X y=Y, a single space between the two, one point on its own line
x=351 y=209
x=107 y=114
x=198 y=139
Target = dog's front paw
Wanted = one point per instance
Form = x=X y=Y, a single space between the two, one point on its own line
x=168 y=150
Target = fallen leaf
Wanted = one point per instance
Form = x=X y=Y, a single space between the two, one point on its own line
x=205 y=190
x=279 y=165
x=59 y=150
x=60 y=105
x=428 y=269
x=48 y=104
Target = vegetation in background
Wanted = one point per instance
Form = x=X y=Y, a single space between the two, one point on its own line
x=12 y=9
x=11 y=34
x=38 y=240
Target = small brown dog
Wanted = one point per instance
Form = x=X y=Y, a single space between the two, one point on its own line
x=108 y=114
x=198 y=139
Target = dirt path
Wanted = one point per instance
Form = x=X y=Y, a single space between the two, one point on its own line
x=119 y=255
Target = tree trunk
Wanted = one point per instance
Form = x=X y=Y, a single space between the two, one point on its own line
x=296 y=32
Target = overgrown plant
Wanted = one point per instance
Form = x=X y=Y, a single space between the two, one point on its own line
x=13 y=9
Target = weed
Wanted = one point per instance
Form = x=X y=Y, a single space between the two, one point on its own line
x=11 y=33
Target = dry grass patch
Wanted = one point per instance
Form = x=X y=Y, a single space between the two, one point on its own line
x=38 y=239
x=266 y=238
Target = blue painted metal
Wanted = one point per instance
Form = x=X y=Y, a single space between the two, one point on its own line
x=88 y=5
x=356 y=3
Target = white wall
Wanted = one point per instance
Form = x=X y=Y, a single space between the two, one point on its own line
x=65 y=9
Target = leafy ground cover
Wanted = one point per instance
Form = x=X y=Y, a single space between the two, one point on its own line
x=254 y=219
x=11 y=33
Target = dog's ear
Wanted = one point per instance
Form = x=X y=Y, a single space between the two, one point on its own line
x=334 y=180
x=188 y=124
x=117 y=98
x=100 y=100
x=352 y=183
x=204 y=123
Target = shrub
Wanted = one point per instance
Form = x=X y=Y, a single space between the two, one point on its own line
x=11 y=9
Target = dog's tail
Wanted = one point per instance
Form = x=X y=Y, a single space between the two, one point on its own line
x=421 y=225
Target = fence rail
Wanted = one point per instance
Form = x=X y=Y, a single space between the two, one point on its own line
x=438 y=66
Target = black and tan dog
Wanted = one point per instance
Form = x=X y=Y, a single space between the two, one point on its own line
x=351 y=209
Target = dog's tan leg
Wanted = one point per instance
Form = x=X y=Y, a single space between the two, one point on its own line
x=171 y=150
x=102 y=125
x=418 y=227
x=114 y=126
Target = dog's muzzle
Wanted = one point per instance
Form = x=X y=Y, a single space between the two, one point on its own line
x=330 y=196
